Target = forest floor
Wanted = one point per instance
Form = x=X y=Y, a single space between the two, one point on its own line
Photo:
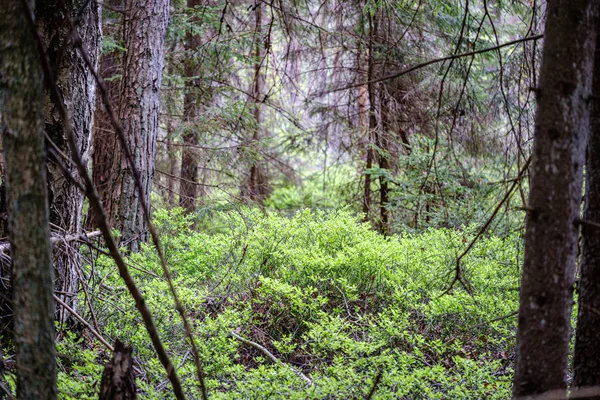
x=312 y=306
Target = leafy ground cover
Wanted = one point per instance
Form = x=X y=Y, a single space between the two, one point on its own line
x=340 y=307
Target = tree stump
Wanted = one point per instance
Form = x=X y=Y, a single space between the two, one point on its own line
x=118 y=380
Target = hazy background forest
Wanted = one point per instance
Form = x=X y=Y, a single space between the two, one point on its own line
x=290 y=199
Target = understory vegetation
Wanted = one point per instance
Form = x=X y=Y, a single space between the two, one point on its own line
x=341 y=308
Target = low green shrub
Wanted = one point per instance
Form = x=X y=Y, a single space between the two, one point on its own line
x=323 y=293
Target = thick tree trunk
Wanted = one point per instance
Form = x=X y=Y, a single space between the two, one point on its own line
x=189 y=154
x=21 y=105
x=76 y=82
x=586 y=362
x=561 y=132
x=144 y=31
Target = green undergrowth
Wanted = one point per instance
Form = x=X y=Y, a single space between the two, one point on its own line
x=322 y=292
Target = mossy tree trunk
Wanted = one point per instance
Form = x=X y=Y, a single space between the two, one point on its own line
x=21 y=105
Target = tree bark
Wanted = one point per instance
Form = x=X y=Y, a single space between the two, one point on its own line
x=118 y=380
x=189 y=154
x=78 y=87
x=561 y=132
x=104 y=137
x=139 y=104
x=586 y=361
x=258 y=186
x=21 y=104
x=383 y=144
x=372 y=130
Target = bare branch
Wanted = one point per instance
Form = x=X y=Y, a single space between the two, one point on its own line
x=434 y=61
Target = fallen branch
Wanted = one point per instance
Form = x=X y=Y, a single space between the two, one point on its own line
x=84 y=322
x=56 y=239
x=271 y=356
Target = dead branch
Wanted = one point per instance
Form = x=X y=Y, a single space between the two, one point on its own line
x=56 y=239
x=271 y=356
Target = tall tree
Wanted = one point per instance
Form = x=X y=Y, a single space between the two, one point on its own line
x=104 y=137
x=586 y=361
x=257 y=190
x=21 y=105
x=145 y=28
x=561 y=132
x=78 y=87
x=372 y=127
x=188 y=188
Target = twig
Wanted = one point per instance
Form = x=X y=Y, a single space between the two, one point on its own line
x=375 y=384
x=512 y=314
x=91 y=328
x=84 y=322
x=7 y=392
x=55 y=239
x=271 y=356
x=457 y=270
x=581 y=221
x=434 y=61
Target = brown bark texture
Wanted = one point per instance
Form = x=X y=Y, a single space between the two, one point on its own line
x=104 y=137
x=21 y=106
x=586 y=361
x=188 y=188
x=258 y=188
x=118 y=379
x=561 y=133
x=372 y=129
x=78 y=89
x=139 y=105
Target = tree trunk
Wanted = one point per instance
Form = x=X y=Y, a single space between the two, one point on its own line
x=383 y=144
x=21 y=105
x=77 y=84
x=104 y=137
x=372 y=93
x=171 y=154
x=118 y=380
x=139 y=104
x=561 y=132
x=258 y=187
x=189 y=154
x=586 y=362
